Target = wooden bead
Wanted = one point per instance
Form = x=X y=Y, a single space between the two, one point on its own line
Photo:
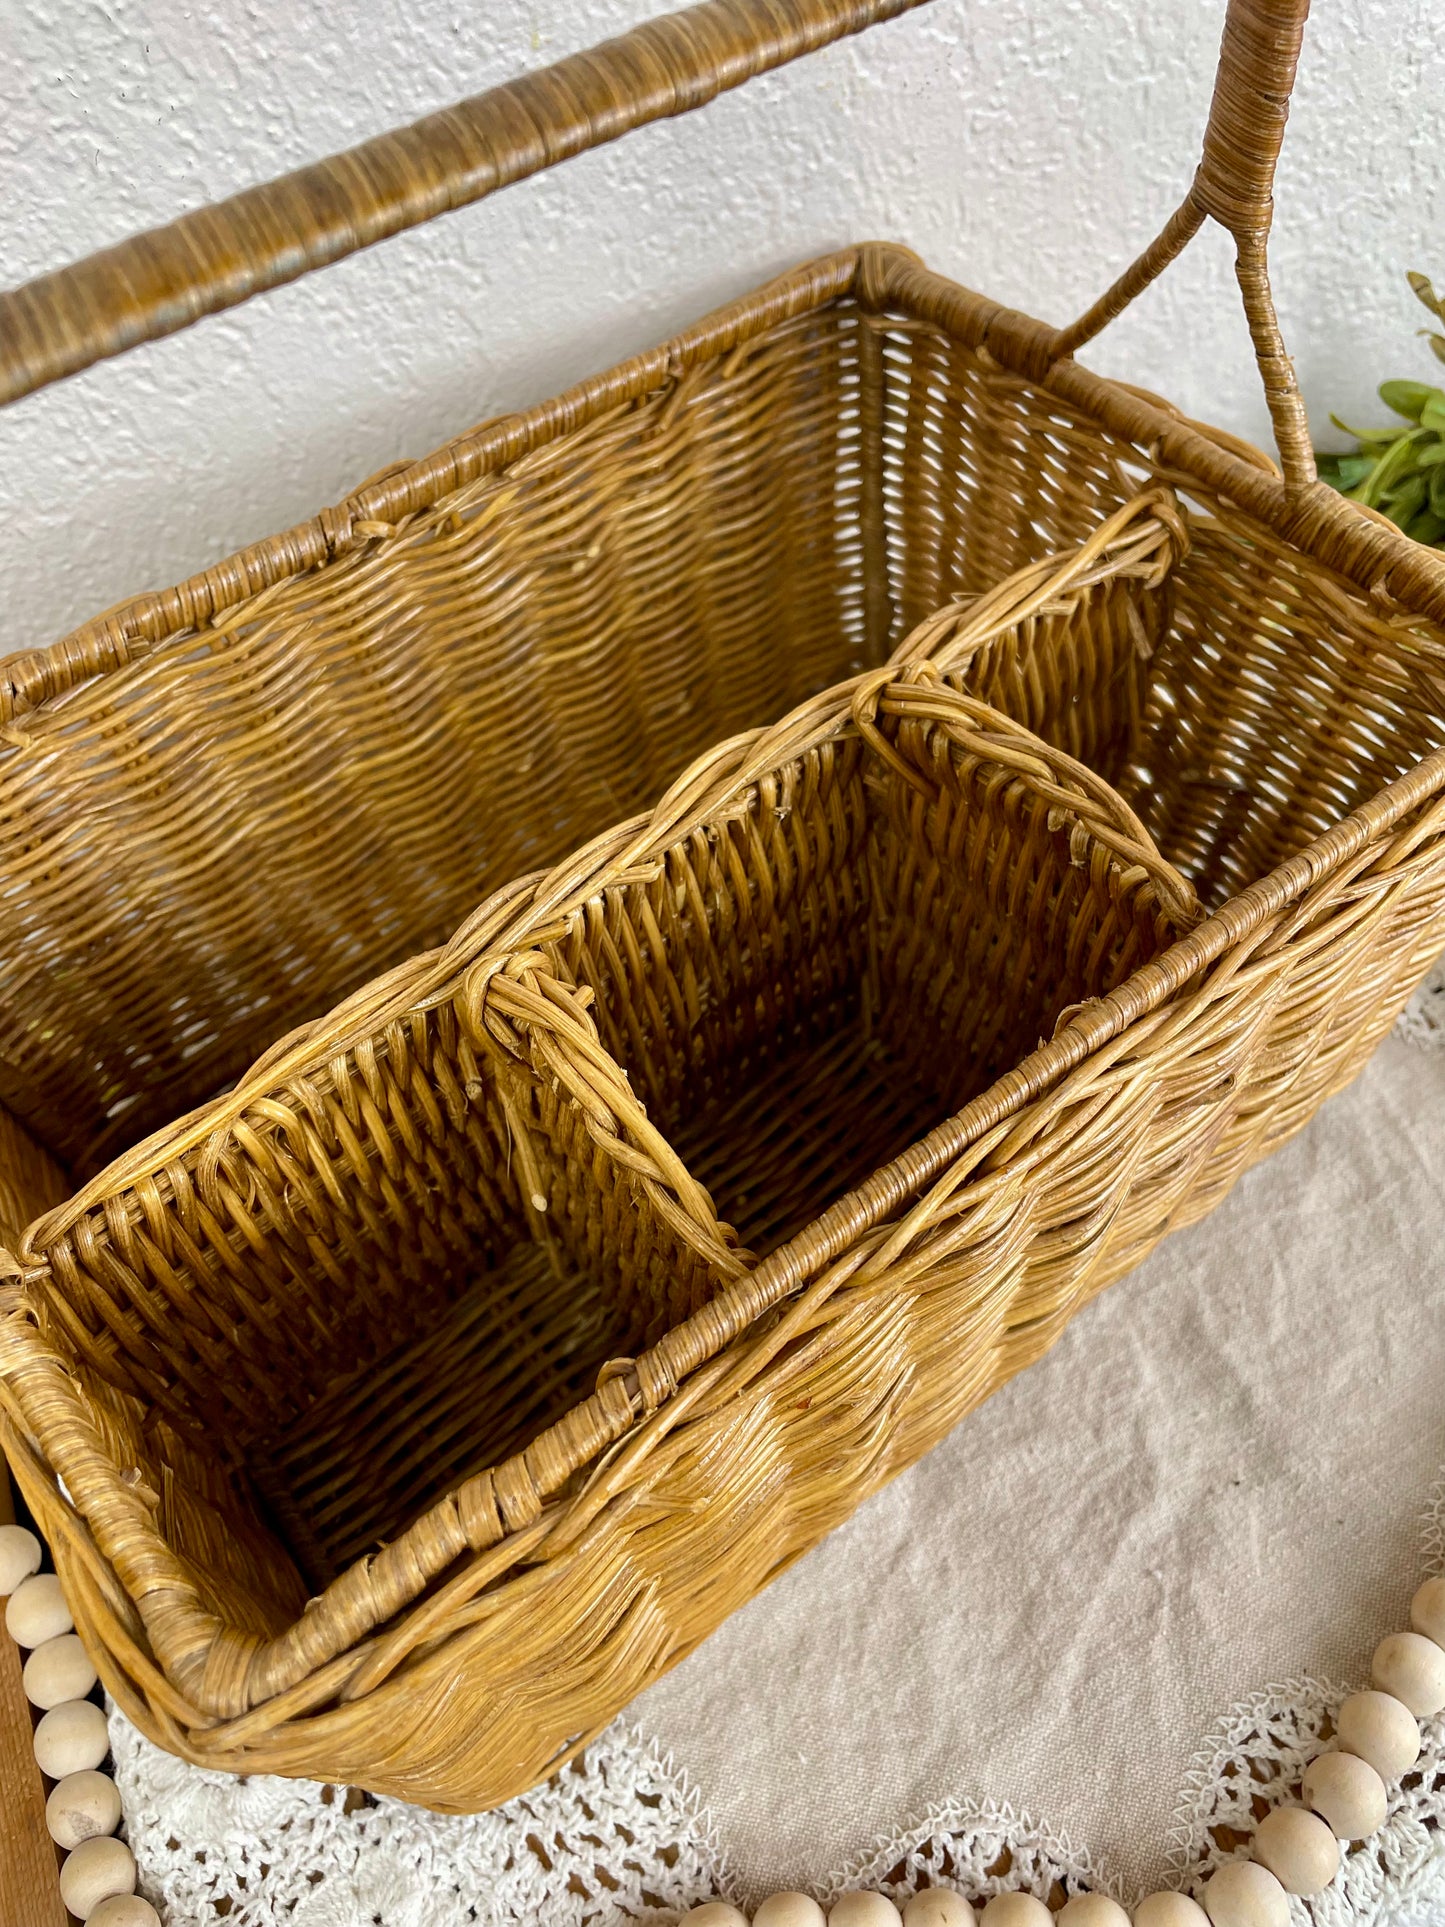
x=71 y=1738
x=1298 y=1848
x=57 y=1671
x=1377 y=1728
x=1168 y=1909
x=96 y=1870
x=1347 y=1793
x=129 y=1910
x=716 y=1913
x=1427 y=1610
x=82 y=1806
x=1016 y=1910
x=19 y=1557
x=1413 y=1669
x=36 y=1611
x=938 y=1907
x=1091 y=1910
x=789 y=1910
x=1241 y=1893
x=863 y=1910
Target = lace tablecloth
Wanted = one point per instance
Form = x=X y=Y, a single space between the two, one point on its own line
x=1042 y=1657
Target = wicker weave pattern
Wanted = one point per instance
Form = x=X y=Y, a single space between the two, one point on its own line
x=519 y=636
x=735 y=1115
x=830 y=856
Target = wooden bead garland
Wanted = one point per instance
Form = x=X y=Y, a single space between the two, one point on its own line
x=59 y=1670
x=938 y=1907
x=1169 y=1909
x=20 y=1554
x=1299 y=1850
x=1377 y=1728
x=82 y=1812
x=863 y=1910
x=1091 y=1910
x=124 y=1910
x=1241 y=1893
x=1413 y=1669
x=1347 y=1793
x=36 y=1611
x=789 y=1910
x=71 y=1738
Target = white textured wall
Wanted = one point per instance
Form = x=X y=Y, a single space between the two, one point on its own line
x=1025 y=146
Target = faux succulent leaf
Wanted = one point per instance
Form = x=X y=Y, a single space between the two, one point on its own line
x=1371 y=437
x=1351 y=470
x=1406 y=501
x=1400 y=472
x=1407 y=398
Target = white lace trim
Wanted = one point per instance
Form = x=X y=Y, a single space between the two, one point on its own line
x=619 y=1836
x=980 y=1848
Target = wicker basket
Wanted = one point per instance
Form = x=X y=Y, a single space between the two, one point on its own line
x=736 y=1116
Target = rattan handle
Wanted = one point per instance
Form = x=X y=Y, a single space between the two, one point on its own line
x=157 y=283
x=1234 y=185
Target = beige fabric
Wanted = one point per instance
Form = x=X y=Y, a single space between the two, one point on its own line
x=1215 y=1481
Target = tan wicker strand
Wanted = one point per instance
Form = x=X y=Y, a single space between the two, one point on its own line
x=212 y=259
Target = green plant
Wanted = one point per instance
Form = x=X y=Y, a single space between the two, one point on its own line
x=1401 y=471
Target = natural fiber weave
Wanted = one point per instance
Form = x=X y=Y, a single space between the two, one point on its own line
x=547 y=1296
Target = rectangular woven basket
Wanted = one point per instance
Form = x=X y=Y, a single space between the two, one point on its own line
x=397 y=1414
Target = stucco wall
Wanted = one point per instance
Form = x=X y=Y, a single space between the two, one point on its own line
x=1026 y=148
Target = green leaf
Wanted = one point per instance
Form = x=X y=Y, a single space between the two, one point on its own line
x=1406 y=502
x=1407 y=398
x=1432 y=415
x=1395 y=463
x=1352 y=469
x=1437 y=342
x=1437 y=489
x=1427 y=527
x=1431 y=455
x=1375 y=437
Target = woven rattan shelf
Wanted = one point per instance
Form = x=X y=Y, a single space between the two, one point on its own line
x=398 y=1413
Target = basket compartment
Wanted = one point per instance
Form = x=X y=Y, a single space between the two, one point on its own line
x=1241 y=704
x=844 y=955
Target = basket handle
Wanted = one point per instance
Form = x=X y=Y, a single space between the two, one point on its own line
x=213 y=258
x=1234 y=185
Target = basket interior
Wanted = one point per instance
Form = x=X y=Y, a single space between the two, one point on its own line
x=356 y=1285
x=808 y=984
x=818 y=979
